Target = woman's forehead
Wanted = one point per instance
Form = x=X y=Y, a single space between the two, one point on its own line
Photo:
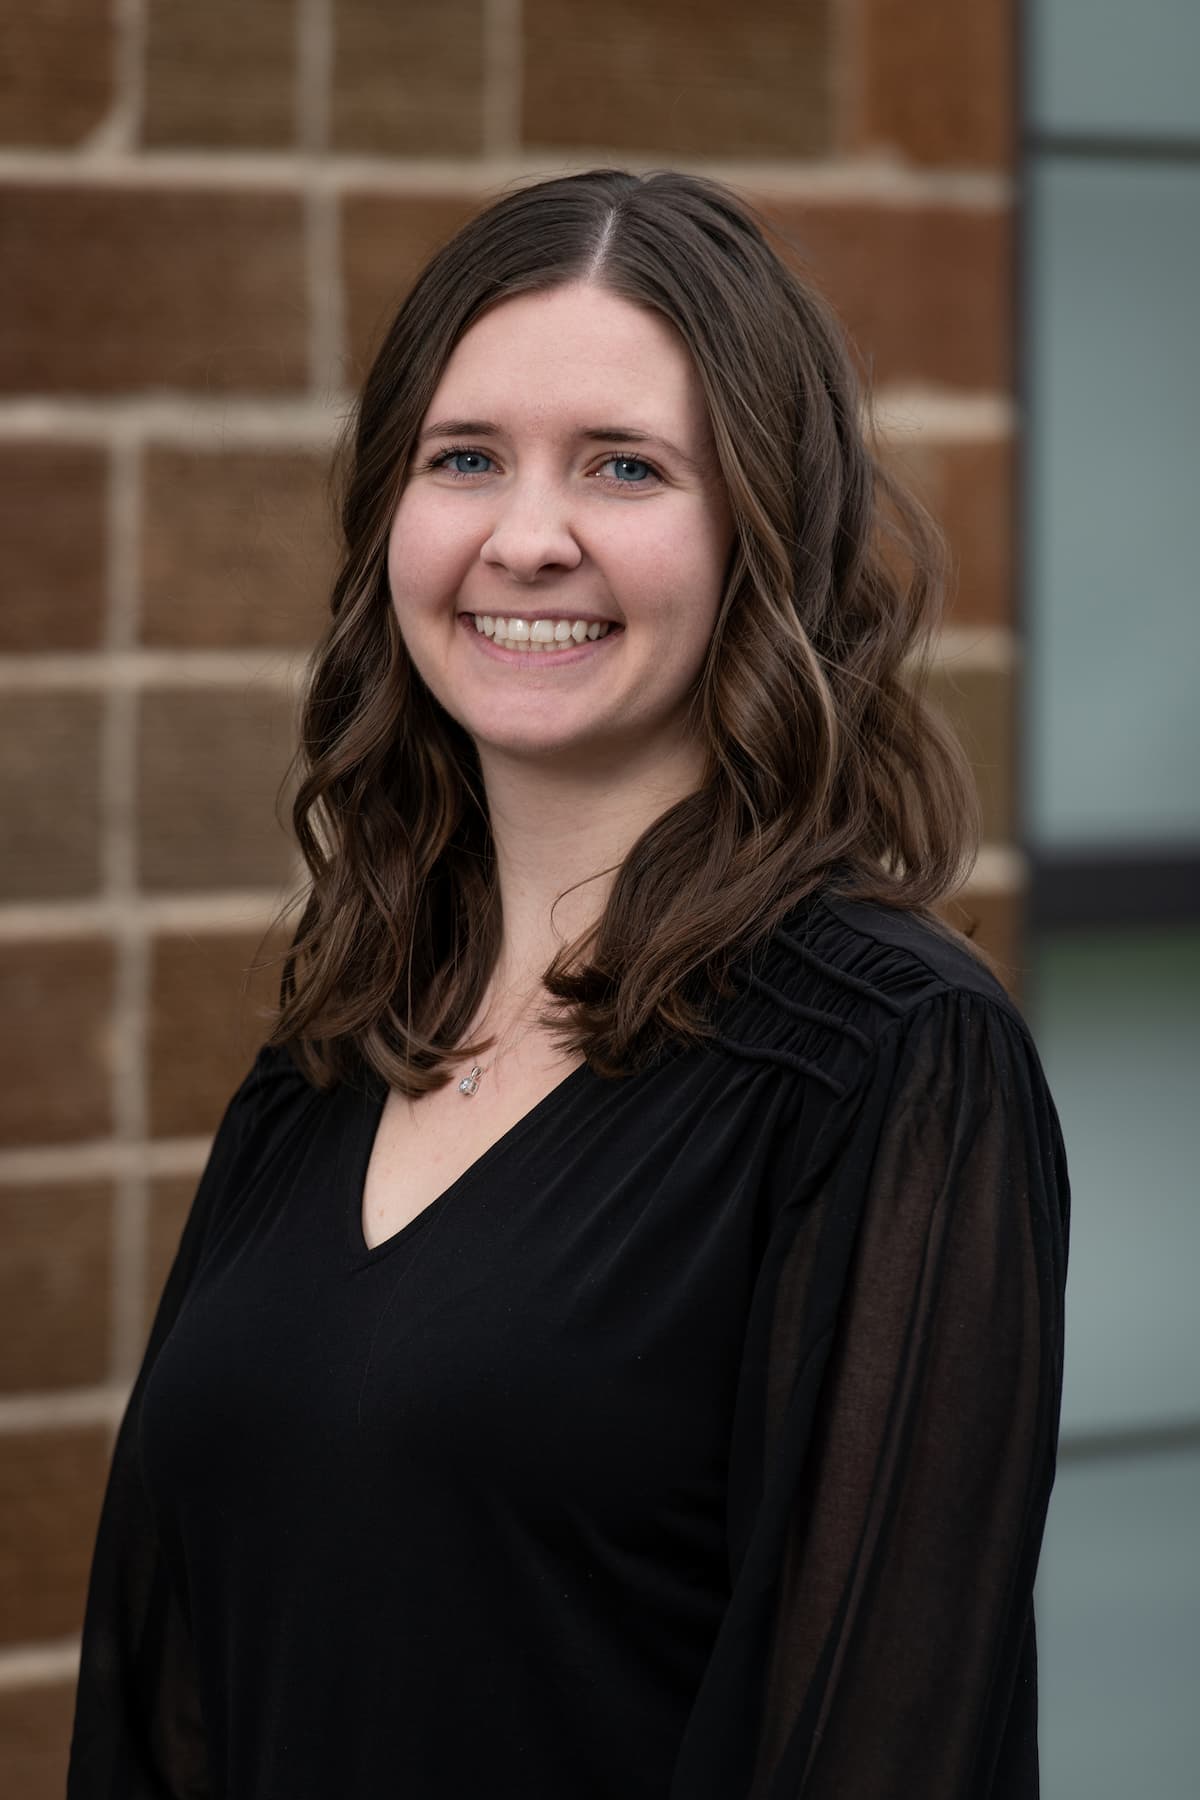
x=572 y=350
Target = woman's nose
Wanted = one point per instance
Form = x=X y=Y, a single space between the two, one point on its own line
x=531 y=534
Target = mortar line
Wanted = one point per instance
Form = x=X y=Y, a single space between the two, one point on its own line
x=44 y=1165
x=878 y=179
x=127 y=673
x=846 y=59
x=326 y=306
x=314 y=77
x=314 y=100
x=39 y=1665
x=130 y=670
x=196 y=422
x=66 y=1408
x=502 y=77
x=130 y=1195
x=117 y=132
x=139 y=51
x=201 y=423
x=229 y=911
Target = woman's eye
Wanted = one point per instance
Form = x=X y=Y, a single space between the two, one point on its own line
x=464 y=462
x=626 y=471
x=633 y=471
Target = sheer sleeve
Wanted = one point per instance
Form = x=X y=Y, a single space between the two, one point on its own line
x=895 y=1441
x=137 y=1733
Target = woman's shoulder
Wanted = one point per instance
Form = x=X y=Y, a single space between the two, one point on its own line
x=270 y=1097
x=821 y=990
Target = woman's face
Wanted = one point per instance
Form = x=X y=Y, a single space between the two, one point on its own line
x=564 y=477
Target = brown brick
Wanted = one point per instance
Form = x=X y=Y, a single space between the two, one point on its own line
x=924 y=290
x=221 y=74
x=55 y=1053
x=408 y=80
x=170 y=1202
x=968 y=487
x=54 y=1285
x=937 y=81
x=978 y=703
x=209 y=1000
x=35 y=1735
x=994 y=921
x=386 y=240
x=51 y=1483
x=53 y=532
x=237 y=548
x=56 y=65
x=685 y=77
x=49 y=771
x=210 y=765
x=108 y=289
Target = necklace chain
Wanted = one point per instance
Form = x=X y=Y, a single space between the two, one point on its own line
x=470 y=1082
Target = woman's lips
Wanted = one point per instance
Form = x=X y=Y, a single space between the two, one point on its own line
x=552 y=658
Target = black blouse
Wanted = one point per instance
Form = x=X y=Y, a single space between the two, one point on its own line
x=695 y=1444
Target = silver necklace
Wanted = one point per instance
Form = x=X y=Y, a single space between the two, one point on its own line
x=470 y=1082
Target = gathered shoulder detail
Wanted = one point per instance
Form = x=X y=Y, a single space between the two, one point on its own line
x=816 y=994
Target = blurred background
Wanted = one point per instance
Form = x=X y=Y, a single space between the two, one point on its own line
x=207 y=212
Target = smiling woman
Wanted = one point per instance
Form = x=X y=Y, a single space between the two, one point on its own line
x=547 y=518
x=616 y=1345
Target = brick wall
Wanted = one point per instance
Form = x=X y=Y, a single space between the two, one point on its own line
x=205 y=213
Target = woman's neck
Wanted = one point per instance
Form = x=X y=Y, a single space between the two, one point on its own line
x=559 y=828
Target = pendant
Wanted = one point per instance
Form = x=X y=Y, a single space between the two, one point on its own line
x=470 y=1082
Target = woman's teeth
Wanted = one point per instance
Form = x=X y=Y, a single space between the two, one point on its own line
x=536 y=634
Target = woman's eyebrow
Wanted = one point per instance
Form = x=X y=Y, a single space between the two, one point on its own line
x=629 y=434
x=599 y=434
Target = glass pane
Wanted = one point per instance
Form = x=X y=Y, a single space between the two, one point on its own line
x=1118 y=1023
x=1113 y=497
x=1117 y=1605
x=1107 y=65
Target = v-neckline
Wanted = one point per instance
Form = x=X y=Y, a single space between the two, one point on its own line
x=367 y=1130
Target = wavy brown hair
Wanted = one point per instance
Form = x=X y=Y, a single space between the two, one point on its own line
x=824 y=763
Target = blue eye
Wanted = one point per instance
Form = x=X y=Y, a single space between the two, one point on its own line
x=463 y=462
x=631 y=470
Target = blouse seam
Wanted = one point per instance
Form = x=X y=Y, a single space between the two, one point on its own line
x=901 y=1014
x=946 y=984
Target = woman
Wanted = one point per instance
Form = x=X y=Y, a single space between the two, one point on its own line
x=616 y=1346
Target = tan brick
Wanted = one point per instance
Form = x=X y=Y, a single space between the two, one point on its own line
x=994 y=921
x=979 y=704
x=221 y=74
x=55 y=1278
x=210 y=765
x=924 y=290
x=53 y=533
x=49 y=771
x=56 y=70
x=209 y=999
x=170 y=1202
x=109 y=289
x=386 y=240
x=684 y=77
x=51 y=1484
x=35 y=1736
x=55 y=1052
x=968 y=487
x=408 y=80
x=237 y=548
x=938 y=81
